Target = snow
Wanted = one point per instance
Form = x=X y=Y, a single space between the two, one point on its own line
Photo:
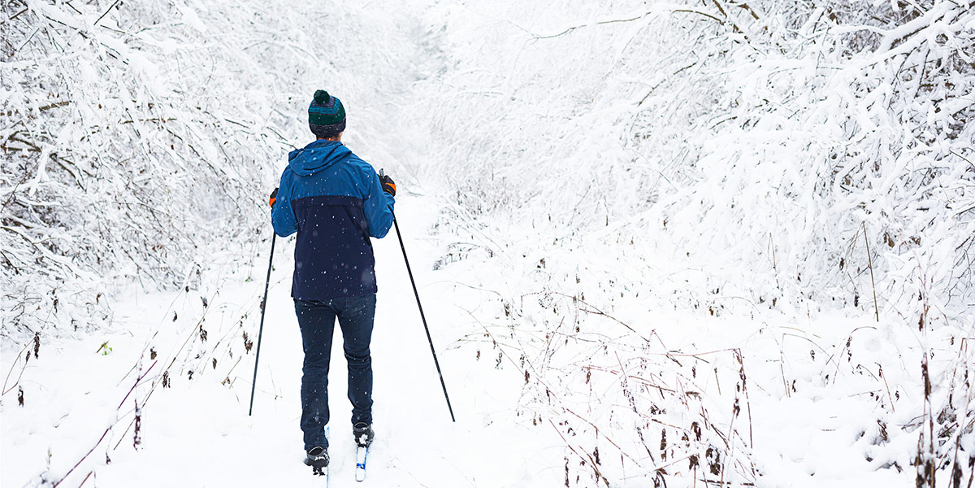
x=655 y=244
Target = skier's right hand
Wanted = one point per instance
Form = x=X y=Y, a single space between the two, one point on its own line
x=271 y=199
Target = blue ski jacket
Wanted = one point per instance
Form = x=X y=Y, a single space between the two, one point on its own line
x=334 y=200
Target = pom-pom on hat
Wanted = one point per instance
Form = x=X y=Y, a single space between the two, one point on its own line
x=327 y=117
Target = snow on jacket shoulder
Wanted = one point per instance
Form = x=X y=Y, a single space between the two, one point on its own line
x=334 y=201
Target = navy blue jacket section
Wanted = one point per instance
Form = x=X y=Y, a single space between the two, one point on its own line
x=333 y=199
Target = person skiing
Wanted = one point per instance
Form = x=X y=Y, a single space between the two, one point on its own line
x=335 y=201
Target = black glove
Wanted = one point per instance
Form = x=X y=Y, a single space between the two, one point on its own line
x=274 y=195
x=388 y=184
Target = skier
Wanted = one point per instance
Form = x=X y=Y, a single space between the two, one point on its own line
x=335 y=201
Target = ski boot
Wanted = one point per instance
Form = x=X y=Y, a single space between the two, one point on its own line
x=363 y=434
x=318 y=459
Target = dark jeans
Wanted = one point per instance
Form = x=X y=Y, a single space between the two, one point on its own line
x=317 y=320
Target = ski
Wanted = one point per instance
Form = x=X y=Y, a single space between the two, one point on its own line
x=327 y=465
x=361 y=454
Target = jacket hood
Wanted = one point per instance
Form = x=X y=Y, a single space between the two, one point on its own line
x=317 y=156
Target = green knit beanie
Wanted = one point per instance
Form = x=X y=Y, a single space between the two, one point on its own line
x=327 y=117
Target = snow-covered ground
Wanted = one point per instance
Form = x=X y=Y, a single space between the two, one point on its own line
x=656 y=243
x=195 y=431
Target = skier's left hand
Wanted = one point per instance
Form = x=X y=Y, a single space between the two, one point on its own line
x=388 y=184
x=271 y=199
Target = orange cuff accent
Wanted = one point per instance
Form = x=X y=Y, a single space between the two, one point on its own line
x=271 y=202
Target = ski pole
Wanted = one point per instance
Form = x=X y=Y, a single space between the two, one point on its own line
x=261 y=327
x=421 y=309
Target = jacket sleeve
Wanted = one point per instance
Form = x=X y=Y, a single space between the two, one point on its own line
x=379 y=208
x=282 y=215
